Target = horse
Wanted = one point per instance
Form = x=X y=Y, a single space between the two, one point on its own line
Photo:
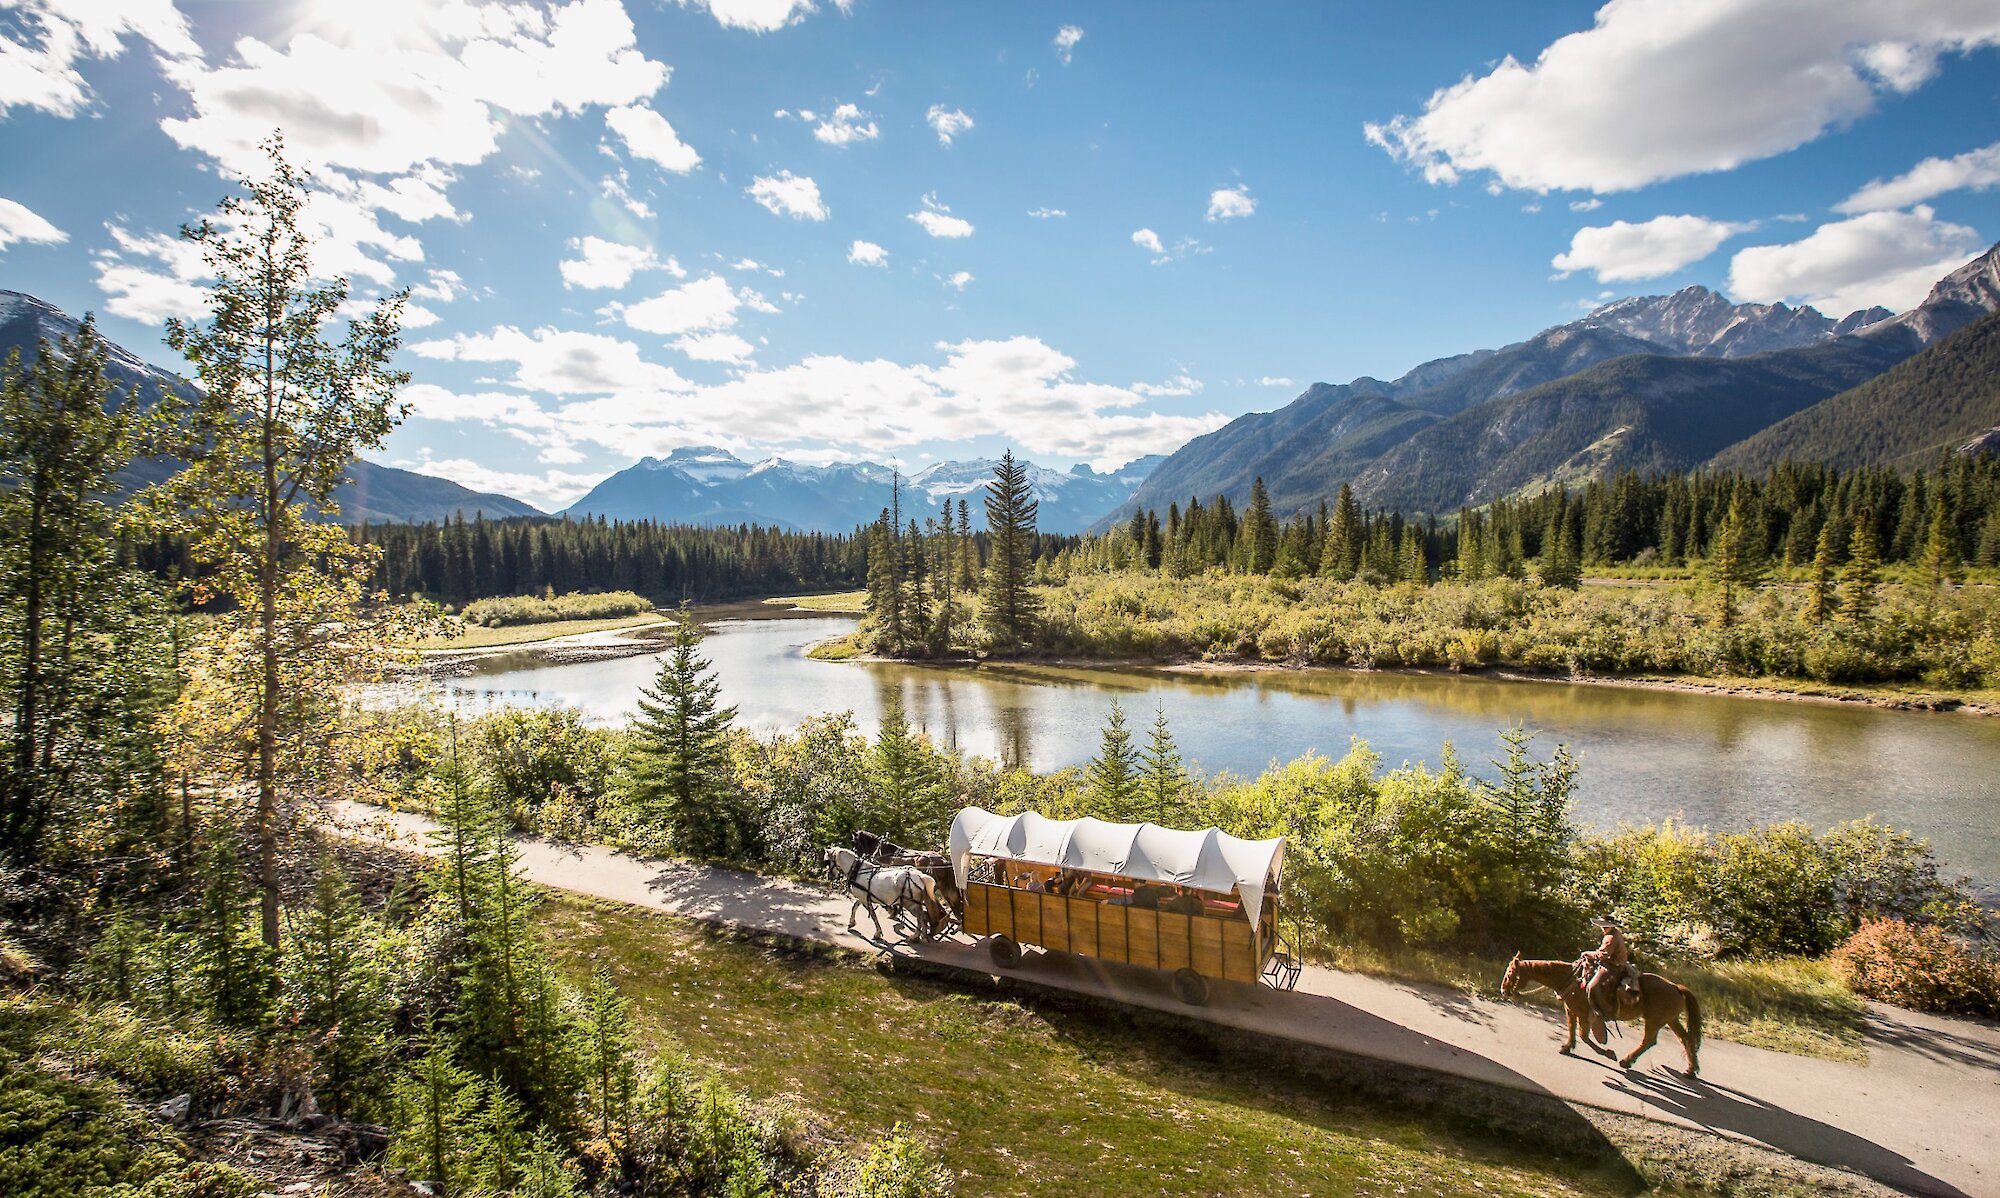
x=894 y=886
x=1661 y=1003
x=883 y=851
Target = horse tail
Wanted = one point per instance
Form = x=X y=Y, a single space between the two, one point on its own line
x=1694 y=1017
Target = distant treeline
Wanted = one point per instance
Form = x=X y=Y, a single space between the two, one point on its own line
x=1664 y=520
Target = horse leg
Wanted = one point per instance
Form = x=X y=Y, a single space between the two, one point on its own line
x=876 y=916
x=1686 y=1047
x=853 y=912
x=1652 y=1036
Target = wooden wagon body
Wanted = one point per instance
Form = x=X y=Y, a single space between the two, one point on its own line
x=1069 y=886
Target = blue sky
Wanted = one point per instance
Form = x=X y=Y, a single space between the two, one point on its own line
x=1086 y=231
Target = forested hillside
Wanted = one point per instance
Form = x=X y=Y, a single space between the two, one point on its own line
x=1933 y=402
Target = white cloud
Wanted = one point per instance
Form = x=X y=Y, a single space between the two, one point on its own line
x=1149 y=241
x=619 y=188
x=1229 y=203
x=39 y=70
x=706 y=304
x=959 y=280
x=1975 y=169
x=1886 y=258
x=715 y=347
x=760 y=16
x=20 y=223
x=1047 y=213
x=559 y=362
x=1590 y=205
x=1270 y=380
x=1181 y=384
x=152 y=276
x=847 y=125
x=1623 y=252
x=649 y=135
x=786 y=194
x=936 y=219
x=867 y=253
x=551 y=491
x=611 y=264
x=442 y=286
x=947 y=123
x=1657 y=89
x=1065 y=41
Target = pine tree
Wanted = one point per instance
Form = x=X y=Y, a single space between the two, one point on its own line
x=1340 y=553
x=1112 y=779
x=1010 y=608
x=609 y=1059
x=468 y=825
x=885 y=586
x=1735 y=556
x=681 y=780
x=1940 y=558
x=1261 y=529
x=907 y=786
x=968 y=560
x=232 y=965
x=337 y=990
x=1560 y=565
x=1413 y=565
x=436 y=1103
x=1863 y=572
x=1162 y=778
x=1819 y=584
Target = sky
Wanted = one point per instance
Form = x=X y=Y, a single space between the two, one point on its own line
x=908 y=232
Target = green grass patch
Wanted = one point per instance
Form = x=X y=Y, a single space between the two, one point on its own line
x=480 y=637
x=1017 y=1101
x=839 y=648
x=846 y=602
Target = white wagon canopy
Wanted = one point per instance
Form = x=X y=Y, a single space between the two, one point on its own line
x=1209 y=860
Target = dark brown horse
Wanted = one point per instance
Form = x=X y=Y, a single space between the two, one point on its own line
x=1661 y=1003
x=883 y=851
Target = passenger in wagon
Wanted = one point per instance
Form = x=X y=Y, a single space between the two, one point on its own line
x=1187 y=902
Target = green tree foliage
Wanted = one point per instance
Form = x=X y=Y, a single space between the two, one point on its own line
x=1340 y=552
x=337 y=992
x=1736 y=558
x=679 y=773
x=1260 y=531
x=1010 y=607
x=1819 y=583
x=1163 y=780
x=437 y=1103
x=1112 y=780
x=1861 y=578
x=1940 y=561
x=63 y=438
x=609 y=1060
x=281 y=414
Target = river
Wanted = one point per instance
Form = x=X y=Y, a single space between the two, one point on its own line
x=1713 y=760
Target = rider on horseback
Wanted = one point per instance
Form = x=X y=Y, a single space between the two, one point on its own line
x=1609 y=967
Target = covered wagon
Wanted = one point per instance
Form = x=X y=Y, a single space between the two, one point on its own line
x=1200 y=905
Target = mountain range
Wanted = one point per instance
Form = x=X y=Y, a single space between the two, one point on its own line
x=702 y=484
x=373 y=492
x=1648 y=383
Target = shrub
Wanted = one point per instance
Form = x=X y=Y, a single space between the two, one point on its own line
x=1919 y=967
x=529 y=609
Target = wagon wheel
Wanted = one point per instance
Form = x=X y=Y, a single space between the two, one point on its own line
x=1190 y=987
x=1005 y=953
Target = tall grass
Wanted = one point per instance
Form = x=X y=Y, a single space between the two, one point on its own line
x=528 y=609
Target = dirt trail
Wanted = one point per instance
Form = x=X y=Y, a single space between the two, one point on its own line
x=1922 y=1116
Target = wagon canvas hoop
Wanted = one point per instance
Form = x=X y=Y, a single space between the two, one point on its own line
x=1209 y=860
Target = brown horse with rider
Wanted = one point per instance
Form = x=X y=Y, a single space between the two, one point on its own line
x=1603 y=985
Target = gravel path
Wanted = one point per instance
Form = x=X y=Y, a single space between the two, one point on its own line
x=1922 y=1116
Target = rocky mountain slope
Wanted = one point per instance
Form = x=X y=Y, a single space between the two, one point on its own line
x=705 y=485
x=1647 y=382
x=375 y=493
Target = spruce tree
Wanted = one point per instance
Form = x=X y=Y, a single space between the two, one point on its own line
x=1112 y=779
x=436 y=1103
x=1863 y=572
x=680 y=776
x=885 y=587
x=1735 y=556
x=1009 y=613
x=1819 y=583
x=609 y=1058
x=1261 y=529
x=337 y=991
x=1340 y=553
x=968 y=550
x=1940 y=556
x=1162 y=778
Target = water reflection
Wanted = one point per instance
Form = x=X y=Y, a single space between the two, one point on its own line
x=1712 y=760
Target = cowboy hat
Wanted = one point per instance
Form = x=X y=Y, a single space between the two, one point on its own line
x=1605 y=921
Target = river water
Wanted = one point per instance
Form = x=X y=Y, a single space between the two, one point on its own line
x=1717 y=761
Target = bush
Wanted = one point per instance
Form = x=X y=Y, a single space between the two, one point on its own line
x=527 y=609
x=1919 y=967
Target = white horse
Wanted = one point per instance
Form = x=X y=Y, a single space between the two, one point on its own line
x=893 y=886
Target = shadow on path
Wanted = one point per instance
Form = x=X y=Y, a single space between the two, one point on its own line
x=1937 y=1043
x=1733 y=1111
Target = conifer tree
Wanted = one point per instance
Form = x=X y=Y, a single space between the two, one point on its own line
x=1819 y=583
x=1162 y=777
x=609 y=1057
x=337 y=990
x=680 y=776
x=906 y=781
x=1262 y=529
x=1340 y=553
x=968 y=561
x=918 y=628
x=468 y=825
x=885 y=586
x=436 y=1103
x=1112 y=778
x=1940 y=557
x=1735 y=557
x=1560 y=565
x=1009 y=614
x=1413 y=566
x=1863 y=572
